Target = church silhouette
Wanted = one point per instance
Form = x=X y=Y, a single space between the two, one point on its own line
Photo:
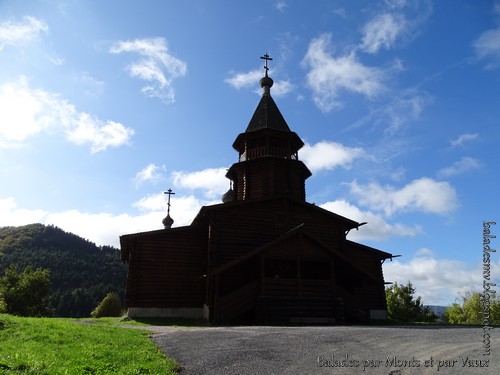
x=263 y=255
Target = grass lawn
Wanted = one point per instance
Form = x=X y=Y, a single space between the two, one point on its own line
x=71 y=346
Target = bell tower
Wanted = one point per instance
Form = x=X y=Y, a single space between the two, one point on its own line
x=268 y=163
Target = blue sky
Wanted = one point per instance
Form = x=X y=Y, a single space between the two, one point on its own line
x=105 y=105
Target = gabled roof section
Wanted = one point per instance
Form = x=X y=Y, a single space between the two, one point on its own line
x=267 y=116
x=379 y=253
x=297 y=231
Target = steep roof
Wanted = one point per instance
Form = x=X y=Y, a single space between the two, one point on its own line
x=267 y=116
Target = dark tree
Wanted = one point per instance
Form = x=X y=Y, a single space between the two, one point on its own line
x=402 y=306
x=26 y=293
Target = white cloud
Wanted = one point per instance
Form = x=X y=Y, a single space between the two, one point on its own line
x=11 y=215
x=150 y=173
x=329 y=76
x=329 y=155
x=488 y=45
x=382 y=32
x=27 y=111
x=423 y=194
x=244 y=80
x=183 y=208
x=105 y=228
x=211 y=181
x=157 y=66
x=281 y=88
x=463 y=165
x=87 y=129
x=377 y=228
x=464 y=138
x=29 y=29
x=438 y=281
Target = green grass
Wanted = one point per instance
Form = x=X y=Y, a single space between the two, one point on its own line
x=69 y=346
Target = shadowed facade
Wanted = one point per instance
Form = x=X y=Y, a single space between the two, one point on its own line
x=265 y=254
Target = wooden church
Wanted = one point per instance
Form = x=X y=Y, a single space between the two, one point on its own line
x=264 y=255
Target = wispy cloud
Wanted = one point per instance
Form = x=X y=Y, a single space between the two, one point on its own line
x=93 y=87
x=488 y=45
x=151 y=173
x=382 y=32
x=329 y=155
x=157 y=66
x=281 y=5
x=464 y=165
x=423 y=194
x=377 y=228
x=27 y=30
x=403 y=110
x=463 y=138
x=398 y=21
x=396 y=115
x=340 y=12
x=27 y=111
x=329 y=75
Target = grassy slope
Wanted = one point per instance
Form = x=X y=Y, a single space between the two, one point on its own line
x=68 y=346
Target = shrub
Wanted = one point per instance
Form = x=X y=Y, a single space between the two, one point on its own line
x=110 y=306
x=472 y=309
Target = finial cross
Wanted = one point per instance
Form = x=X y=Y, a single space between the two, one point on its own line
x=169 y=192
x=267 y=58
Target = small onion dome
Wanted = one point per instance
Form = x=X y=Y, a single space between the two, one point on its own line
x=168 y=221
x=266 y=83
x=228 y=196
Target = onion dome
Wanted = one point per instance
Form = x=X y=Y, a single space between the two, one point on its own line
x=168 y=221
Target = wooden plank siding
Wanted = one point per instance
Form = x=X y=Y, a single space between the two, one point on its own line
x=267 y=177
x=166 y=269
x=239 y=228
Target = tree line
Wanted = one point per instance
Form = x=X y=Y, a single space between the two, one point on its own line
x=45 y=271
x=80 y=273
x=404 y=306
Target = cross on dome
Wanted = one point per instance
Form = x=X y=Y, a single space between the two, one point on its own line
x=267 y=58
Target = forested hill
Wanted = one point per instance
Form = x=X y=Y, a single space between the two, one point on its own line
x=81 y=273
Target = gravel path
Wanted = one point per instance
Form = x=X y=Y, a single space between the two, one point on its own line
x=329 y=350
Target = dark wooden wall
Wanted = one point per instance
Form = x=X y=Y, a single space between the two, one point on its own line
x=166 y=268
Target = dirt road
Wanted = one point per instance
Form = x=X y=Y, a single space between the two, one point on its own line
x=330 y=350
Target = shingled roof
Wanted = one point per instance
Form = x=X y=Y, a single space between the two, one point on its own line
x=267 y=116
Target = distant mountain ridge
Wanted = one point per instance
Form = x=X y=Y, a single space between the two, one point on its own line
x=81 y=272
